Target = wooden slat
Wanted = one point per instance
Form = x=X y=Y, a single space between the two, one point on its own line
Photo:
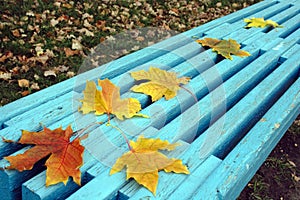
x=193 y=181
x=111 y=185
x=230 y=128
x=238 y=25
x=11 y=180
x=243 y=161
x=36 y=118
x=110 y=70
x=118 y=66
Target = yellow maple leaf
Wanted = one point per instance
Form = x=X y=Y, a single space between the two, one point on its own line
x=224 y=47
x=108 y=101
x=260 y=22
x=144 y=161
x=162 y=83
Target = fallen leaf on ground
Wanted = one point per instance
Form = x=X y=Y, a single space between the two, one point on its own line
x=63 y=18
x=86 y=32
x=35 y=86
x=69 y=52
x=49 y=53
x=25 y=68
x=15 y=70
x=161 y=83
x=39 y=50
x=144 y=161
x=16 y=33
x=49 y=73
x=101 y=25
x=108 y=101
x=61 y=68
x=260 y=22
x=67 y=5
x=6 y=56
x=65 y=156
x=5 y=76
x=36 y=77
x=296 y=178
x=23 y=83
x=224 y=47
x=25 y=93
x=54 y=22
x=70 y=74
x=76 y=45
x=42 y=59
x=87 y=24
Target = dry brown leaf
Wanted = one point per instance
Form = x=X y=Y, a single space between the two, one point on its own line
x=35 y=86
x=140 y=38
x=76 y=44
x=86 y=32
x=58 y=4
x=69 y=52
x=39 y=50
x=6 y=56
x=30 y=13
x=25 y=93
x=23 y=59
x=70 y=74
x=36 y=77
x=63 y=18
x=16 y=33
x=23 y=83
x=296 y=178
x=67 y=5
x=42 y=59
x=87 y=24
x=101 y=25
x=5 y=76
x=49 y=73
x=15 y=70
x=49 y=53
x=61 y=68
x=54 y=22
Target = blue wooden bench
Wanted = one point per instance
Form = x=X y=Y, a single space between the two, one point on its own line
x=244 y=107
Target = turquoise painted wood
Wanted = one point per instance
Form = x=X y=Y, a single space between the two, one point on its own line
x=244 y=160
x=243 y=108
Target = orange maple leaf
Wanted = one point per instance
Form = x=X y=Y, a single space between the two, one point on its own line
x=224 y=47
x=108 y=101
x=144 y=161
x=64 y=161
x=162 y=83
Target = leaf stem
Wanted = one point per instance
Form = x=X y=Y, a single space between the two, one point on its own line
x=108 y=116
x=81 y=132
x=123 y=134
x=189 y=91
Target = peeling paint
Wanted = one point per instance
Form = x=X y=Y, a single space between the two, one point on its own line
x=277 y=125
x=263 y=119
x=277 y=47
